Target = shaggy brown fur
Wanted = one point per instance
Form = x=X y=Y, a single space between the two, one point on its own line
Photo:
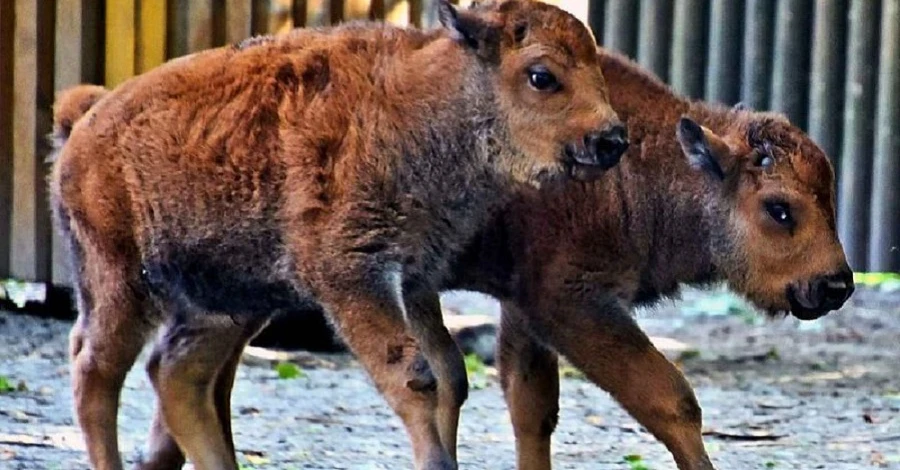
x=569 y=264
x=341 y=168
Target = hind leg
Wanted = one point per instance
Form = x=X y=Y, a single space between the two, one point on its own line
x=163 y=452
x=184 y=368
x=529 y=375
x=104 y=343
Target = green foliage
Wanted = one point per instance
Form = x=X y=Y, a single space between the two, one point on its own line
x=770 y=464
x=6 y=385
x=635 y=462
x=885 y=281
x=476 y=371
x=569 y=372
x=289 y=370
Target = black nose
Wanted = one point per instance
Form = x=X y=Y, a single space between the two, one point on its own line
x=605 y=148
x=834 y=289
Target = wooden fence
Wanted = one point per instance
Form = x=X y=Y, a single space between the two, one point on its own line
x=833 y=66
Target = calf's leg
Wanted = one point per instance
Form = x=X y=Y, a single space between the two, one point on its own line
x=105 y=341
x=425 y=320
x=371 y=322
x=529 y=375
x=184 y=369
x=602 y=340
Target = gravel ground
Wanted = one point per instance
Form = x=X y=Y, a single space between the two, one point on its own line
x=776 y=394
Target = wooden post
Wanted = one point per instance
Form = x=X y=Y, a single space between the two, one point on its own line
x=790 y=70
x=884 y=246
x=7 y=26
x=150 y=44
x=655 y=36
x=619 y=32
x=689 y=47
x=318 y=12
x=827 y=76
x=190 y=27
x=355 y=10
x=33 y=72
x=272 y=16
x=78 y=23
x=596 y=18
x=859 y=109
x=238 y=20
x=426 y=13
x=757 y=67
x=121 y=38
x=723 y=77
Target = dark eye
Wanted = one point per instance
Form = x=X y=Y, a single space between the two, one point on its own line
x=541 y=79
x=780 y=212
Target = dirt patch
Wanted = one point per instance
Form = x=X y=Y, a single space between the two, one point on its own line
x=775 y=394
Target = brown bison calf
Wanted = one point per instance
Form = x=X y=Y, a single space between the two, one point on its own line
x=570 y=264
x=339 y=167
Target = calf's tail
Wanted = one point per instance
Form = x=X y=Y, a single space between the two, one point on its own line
x=71 y=104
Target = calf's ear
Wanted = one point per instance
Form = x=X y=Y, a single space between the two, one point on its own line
x=477 y=31
x=705 y=150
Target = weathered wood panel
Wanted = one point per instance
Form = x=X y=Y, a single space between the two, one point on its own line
x=884 y=246
x=790 y=70
x=688 y=65
x=121 y=39
x=827 y=76
x=33 y=98
x=7 y=26
x=191 y=27
x=757 y=58
x=723 y=68
x=620 y=28
x=854 y=190
x=655 y=36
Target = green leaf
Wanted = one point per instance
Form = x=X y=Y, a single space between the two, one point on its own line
x=6 y=385
x=289 y=370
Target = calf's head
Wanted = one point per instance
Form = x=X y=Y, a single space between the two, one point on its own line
x=548 y=85
x=774 y=236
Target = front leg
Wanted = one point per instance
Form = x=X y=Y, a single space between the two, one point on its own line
x=367 y=306
x=602 y=340
x=529 y=375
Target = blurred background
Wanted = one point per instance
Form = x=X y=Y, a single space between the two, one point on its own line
x=833 y=66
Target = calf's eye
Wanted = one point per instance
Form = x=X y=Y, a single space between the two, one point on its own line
x=542 y=79
x=765 y=161
x=780 y=212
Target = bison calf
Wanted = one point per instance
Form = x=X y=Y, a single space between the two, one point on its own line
x=342 y=168
x=705 y=194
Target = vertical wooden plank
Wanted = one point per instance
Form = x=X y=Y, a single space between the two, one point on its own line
x=827 y=76
x=884 y=246
x=239 y=19
x=689 y=47
x=655 y=36
x=190 y=27
x=76 y=60
x=620 y=30
x=272 y=16
x=318 y=12
x=859 y=107
x=150 y=47
x=723 y=78
x=356 y=10
x=596 y=17
x=398 y=12
x=33 y=72
x=790 y=68
x=121 y=38
x=298 y=12
x=427 y=13
x=757 y=67
x=7 y=26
